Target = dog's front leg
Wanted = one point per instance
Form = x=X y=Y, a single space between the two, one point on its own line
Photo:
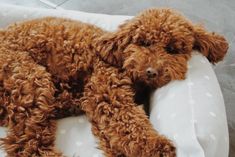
x=30 y=107
x=121 y=126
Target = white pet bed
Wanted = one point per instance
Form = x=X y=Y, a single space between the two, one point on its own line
x=190 y=112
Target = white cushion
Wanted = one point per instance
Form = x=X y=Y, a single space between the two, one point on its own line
x=190 y=112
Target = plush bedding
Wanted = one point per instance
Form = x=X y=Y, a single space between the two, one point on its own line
x=191 y=112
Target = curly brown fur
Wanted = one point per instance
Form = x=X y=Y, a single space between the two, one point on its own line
x=50 y=66
x=29 y=92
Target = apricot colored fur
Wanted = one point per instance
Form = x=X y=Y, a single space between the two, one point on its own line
x=50 y=67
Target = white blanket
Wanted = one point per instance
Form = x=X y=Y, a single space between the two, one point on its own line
x=189 y=112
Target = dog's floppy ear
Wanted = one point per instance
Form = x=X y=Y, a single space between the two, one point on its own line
x=211 y=45
x=106 y=46
x=111 y=45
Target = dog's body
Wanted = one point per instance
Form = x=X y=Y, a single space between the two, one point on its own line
x=64 y=47
x=55 y=58
x=50 y=66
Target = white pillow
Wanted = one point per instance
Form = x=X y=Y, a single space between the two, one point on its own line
x=190 y=112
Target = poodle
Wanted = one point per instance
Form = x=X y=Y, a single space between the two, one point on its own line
x=51 y=67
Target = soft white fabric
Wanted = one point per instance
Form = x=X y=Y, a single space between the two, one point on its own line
x=190 y=112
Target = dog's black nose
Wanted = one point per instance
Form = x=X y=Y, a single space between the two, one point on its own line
x=151 y=72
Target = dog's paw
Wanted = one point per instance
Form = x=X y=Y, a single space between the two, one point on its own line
x=163 y=148
x=166 y=149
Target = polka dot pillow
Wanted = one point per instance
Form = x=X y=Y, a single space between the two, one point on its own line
x=192 y=112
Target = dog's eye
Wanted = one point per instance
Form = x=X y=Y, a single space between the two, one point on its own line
x=170 y=49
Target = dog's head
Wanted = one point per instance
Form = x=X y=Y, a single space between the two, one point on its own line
x=154 y=47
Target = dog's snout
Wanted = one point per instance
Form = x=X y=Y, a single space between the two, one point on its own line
x=151 y=72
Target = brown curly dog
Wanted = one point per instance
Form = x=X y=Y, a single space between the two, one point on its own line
x=51 y=66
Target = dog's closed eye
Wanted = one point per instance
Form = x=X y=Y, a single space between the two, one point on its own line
x=176 y=48
x=170 y=49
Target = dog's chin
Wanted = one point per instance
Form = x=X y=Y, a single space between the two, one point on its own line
x=157 y=82
x=149 y=82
